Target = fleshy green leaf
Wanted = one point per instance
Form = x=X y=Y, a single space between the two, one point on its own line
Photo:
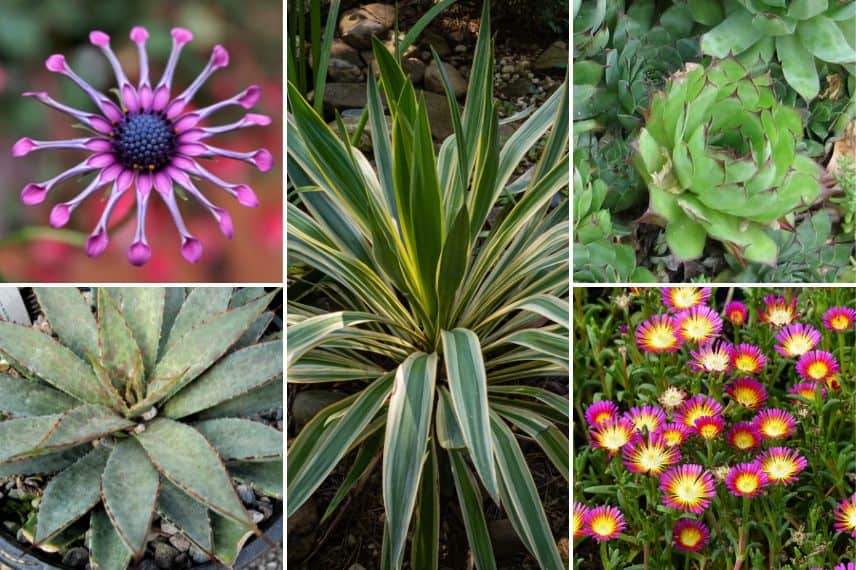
x=265 y=478
x=187 y=514
x=130 y=488
x=71 y=494
x=243 y=440
x=185 y=457
x=22 y=397
x=107 y=550
x=70 y=317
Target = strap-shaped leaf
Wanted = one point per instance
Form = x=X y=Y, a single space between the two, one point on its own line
x=367 y=457
x=81 y=424
x=71 y=494
x=107 y=550
x=555 y=346
x=185 y=457
x=520 y=497
x=130 y=488
x=120 y=356
x=448 y=430
x=22 y=397
x=468 y=387
x=143 y=308
x=201 y=304
x=173 y=300
x=266 y=477
x=472 y=511
x=44 y=464
x=201 y=347
x=70 y=317
x=311 y=332
x=407 y=424
x=44 y=357
x=425 y=548
x=312 y=459
x=229 y=539
x=235 y=375
x=259 y=400
x=242 y=440
x=189 y=515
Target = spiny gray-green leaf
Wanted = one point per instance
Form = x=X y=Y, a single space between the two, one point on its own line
x=186 y=458
x=173 y=301
x=71 y=494
x=203 y=346
x=229 y=538
x=244 y=295
x=265 y=478
x=19 y=436
x=263 y=399
x=143 y=308
x=107 y=550
x=81 y=424
x=42 y=465
x=54 y=363
x=201 y=304
x=70 y=317
x=255 y=331
x=120 y=355
x=130 y=488
x=187 y=514
x=237 y=374
x=22 y=397
x=244 y=440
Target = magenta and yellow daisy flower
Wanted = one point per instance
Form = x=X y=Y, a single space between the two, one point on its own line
x=658 y=334
x=746 y=480
x=604 y=523
x=690 y=535
x=844 y=519
x=774 y=423
x=807 y=390
x=699 y=324
x=673 y=433
x=748 y=358
x=579 y=519
x=682 y=298
x=797 y=339
x=687 y=488
x=747 y=392
x=817 y=365
x=839 y=319
x=777 y=311
x=712 y=356
x=736 y=312
x=651 y=455
x=601 y=412
x=672 y=397
x=744 y=436
x=782 y=465
x=646 y=417
x=695 y=408
x=612 y=435
x=709 y=427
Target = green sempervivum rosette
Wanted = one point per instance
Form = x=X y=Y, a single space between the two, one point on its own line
x=799 y=32
x=719 y=156
x=140 y=409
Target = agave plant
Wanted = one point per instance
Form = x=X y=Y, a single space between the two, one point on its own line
x=136 y=410
x=439 y=317
x=799 y=32
x=719 y=156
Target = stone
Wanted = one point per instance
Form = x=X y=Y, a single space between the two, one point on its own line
x=519 y=87
x=438 y=115
x=164 y=555
x=248 y=497
x=343 y=96
x=179 y=542
x=197 y=555
x=358 y=25
x=76 y=557
x=554 y=57
x=436 y=41
x=340 y=70
x=304 y=519
x=433 y=81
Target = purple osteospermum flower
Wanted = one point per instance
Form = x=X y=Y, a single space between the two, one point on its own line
x=797 y=339
x=150 y=142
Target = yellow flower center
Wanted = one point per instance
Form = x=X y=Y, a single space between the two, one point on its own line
x=603 y=526
x=817 y=370
x=746 y=483
x=690 y=537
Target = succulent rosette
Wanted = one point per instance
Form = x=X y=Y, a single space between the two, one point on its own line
x=719 y=156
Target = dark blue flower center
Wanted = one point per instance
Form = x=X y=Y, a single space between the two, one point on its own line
x=144 y=141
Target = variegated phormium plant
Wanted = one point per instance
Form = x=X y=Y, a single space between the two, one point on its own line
x=136 y=410
x=444 y=293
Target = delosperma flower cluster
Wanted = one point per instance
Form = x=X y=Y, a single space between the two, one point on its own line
x=151 y=139
x=717 y=437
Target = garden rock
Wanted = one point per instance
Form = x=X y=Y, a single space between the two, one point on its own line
x=357 y=26
x=339 y=96
x=554 y=57
x=433 y=81
x=76 y=557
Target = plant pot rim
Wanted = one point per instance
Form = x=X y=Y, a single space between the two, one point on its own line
x=14 y=555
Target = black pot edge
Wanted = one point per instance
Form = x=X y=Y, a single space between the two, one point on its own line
x=14 y=556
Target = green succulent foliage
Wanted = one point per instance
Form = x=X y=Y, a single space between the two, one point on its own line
x=800 y=33
x=598 y=256
x=719 y=156
x=440 y=314
x=135 y=409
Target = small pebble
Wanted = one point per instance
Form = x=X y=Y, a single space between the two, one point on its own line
x=248 y=497
x=76 y=557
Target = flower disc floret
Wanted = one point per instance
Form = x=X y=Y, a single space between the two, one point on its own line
x=690 y=535
x=604 y=523
x=817 y=365
x=687 y=488
x=839 y=319
x=658 y=334
x=746 y=480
